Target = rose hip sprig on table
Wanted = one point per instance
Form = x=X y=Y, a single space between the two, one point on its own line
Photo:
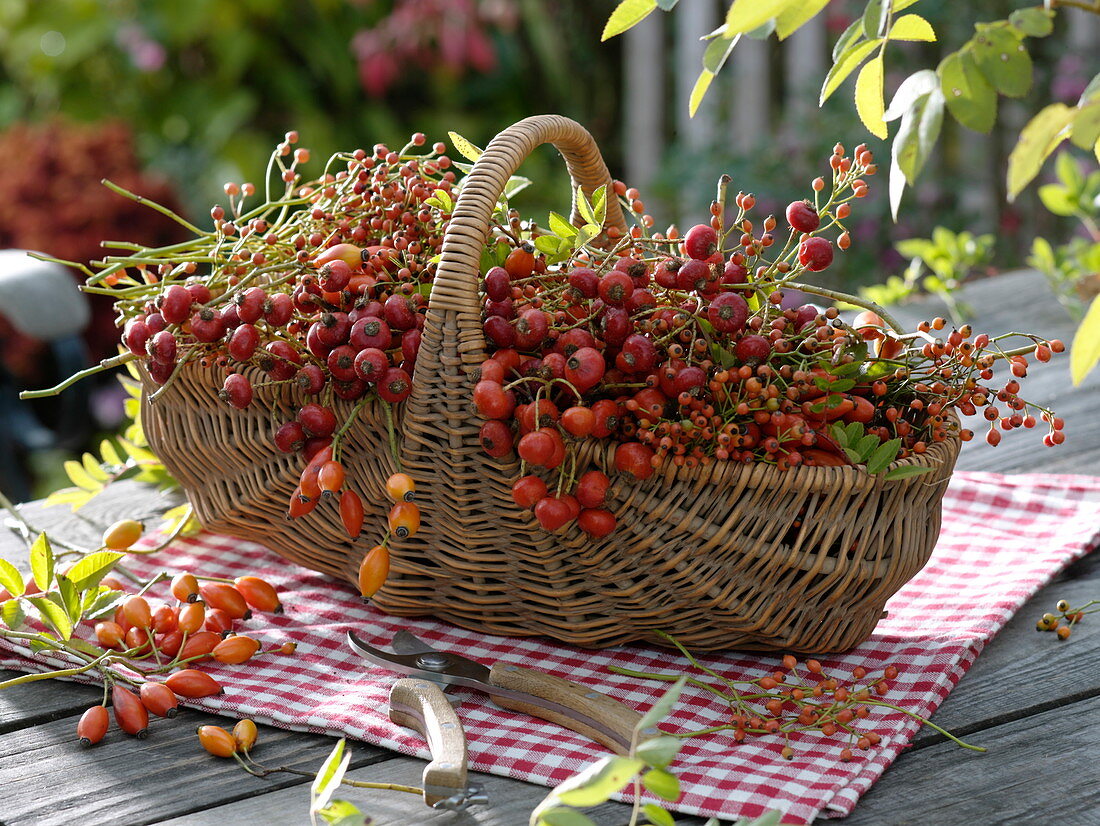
x=145 y=651
x=797 y=698
x=686 y=351
x=1068 y=614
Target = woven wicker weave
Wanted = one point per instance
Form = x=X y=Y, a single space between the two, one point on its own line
x=723 y=556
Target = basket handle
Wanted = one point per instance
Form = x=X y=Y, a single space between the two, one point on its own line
x=456 y=280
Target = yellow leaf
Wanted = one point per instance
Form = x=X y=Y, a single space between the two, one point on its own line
x=74 y=496
x=912 y=27
x=109 y=454
x=626 y=15
x=80 y=477
x=91 y=465
x=846 y=64
x=1039 y=138
x=464 y=148
x=795 y=15
x=869 y=101
x=1085 y=351
x=138 y=454
x=746 y=15
x=699 y=90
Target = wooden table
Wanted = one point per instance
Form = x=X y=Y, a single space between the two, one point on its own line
x=1028 y=698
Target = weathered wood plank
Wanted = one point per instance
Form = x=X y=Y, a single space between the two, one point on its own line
x=1041 y=769
x=125 y=780
x=30 y=704
x=1024 y=672
x=510 y=803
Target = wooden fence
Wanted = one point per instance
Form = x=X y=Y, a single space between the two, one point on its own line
x=761 y=78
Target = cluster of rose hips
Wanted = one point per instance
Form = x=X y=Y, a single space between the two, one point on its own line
x=1068 y=614
x=322 y=290
x=683 y=351
x=172 y=637
x=787 y=702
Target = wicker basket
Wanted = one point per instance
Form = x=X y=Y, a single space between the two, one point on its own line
x=711 y=555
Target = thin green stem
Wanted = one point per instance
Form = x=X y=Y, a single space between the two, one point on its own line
x=106 y=364
x=171 y=537
x=154 y=205
x=858 y=301
x=925 y=722
x=387 y=412
x=49 y=675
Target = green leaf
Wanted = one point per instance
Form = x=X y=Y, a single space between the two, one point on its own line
x=912 y=27
x=343 y=813
x=875 y=17
x=626 y=15
x=42 y=562
x=717 y=52
x=596 y=783
x=1069 y=173
x=70 y=599
x=865 y=446
x=794 y=16
x=329 y=776
x=93 y=468
x=919 y=130
x=660 y=709
x=850 y=37
x=53 y=615
x=1057 y=199
x=547 y=244
x=1004 y=61
x=515 y=185
x=1084 y=353
x=853 y=432
x=464 y=148
x=699 y=91
x=584 y=207
x=970 y=98
x=565 y=817
x=10 y=579
x=746 y=15
x=599 y=203
x=869 y=103
x=657 y=815
x=662 y=783
x=905 y=471
x=847 y=63
x=1039 y=138
x=1085 y=130
x=101 y=602
x=1033 y=22
x=584 y=235
x=561 y=227
x=658 y=751
x=914 y=87
x=91 y=569
x=882 y=457
x=11 y=612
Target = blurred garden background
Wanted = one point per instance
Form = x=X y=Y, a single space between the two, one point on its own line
x=171 y=99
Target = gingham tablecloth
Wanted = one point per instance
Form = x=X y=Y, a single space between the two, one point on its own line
x=1003 y=538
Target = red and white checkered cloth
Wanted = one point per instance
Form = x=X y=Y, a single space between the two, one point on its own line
x=1003 y=538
